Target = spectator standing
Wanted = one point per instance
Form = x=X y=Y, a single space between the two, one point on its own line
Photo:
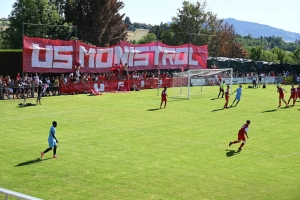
x=40 y=91
x=125 y=71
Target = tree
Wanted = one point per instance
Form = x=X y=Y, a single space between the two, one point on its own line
x=30 y=11
x=99 y=22
x=268 y=56
x=127 y=21
x=280 y=54
x=296 y=56
x=158 y=30
x=225 y=43
x=256 y=53
x=193 y=24
x=150 y=37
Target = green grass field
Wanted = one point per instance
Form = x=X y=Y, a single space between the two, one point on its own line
x=121 y=146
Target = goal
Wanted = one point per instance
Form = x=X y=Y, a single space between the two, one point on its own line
x=183 y=81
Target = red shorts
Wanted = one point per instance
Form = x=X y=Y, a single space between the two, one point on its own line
x=164 y=99
x=293 y=96
x=281 y=96
x=241 y=137
x=227 y=98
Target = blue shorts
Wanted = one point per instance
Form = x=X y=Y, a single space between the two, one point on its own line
x=238 y=97
x=52 y=143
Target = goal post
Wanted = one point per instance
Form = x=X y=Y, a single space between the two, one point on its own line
x=183 y=81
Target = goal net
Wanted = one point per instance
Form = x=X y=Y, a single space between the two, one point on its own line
x=191 y=82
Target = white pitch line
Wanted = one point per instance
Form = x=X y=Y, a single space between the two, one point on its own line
x=265 y=154
x=291 y=154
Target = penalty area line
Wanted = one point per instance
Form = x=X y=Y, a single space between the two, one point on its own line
x=292 y=154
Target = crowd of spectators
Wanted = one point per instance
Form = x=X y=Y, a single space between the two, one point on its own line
x=26 y=86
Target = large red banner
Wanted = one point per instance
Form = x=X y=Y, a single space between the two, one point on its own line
x=58 y=56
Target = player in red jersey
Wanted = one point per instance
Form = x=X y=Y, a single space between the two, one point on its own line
x=164 y=96
x=227 y=95
x=281 y=95
x=293 y=95
x=241 y=135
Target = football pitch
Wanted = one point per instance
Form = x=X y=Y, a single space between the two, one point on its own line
x=122 y=146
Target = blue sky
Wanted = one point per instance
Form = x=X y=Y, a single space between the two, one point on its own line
x=279 y=14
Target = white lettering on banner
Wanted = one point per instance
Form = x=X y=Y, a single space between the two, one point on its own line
x=91 y=53
x=62 y=57
x=48 y=56
x=99 y=56
x=53 y=58
x=168 y=54
x=143 y=58
x=156 y=50
x=191 y=61
x=177 y=56
x=120 y=55
x=131 y=55
x=137 y=56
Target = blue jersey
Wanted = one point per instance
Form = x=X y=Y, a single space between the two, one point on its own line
x=238 y=92
x=52 y=130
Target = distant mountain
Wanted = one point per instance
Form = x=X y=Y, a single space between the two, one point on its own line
x=256 y=30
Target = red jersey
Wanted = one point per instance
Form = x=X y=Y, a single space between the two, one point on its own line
x=281 y=94
x=243 y=129
x=164 y=95
x=280 y=90
x=227 y=95
x=293 y=92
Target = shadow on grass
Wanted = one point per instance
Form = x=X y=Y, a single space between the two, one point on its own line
x=37 y=160
x=274 y=110
x=222 y=109
x=214 y=98
x=153 y=109
x=230 y=153
x=218 y=109
x=25 y=105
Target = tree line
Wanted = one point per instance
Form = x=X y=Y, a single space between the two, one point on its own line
x=100 y=23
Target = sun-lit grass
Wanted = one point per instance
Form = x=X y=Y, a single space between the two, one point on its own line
x=121 y=146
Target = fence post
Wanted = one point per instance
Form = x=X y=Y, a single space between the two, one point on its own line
x=32 y=90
